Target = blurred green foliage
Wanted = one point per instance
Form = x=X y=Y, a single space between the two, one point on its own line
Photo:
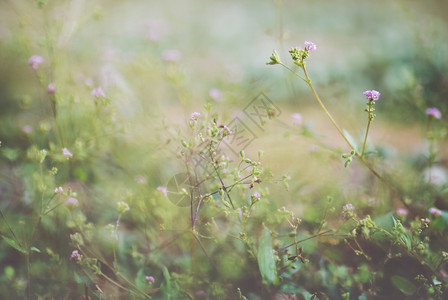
x=127 y=146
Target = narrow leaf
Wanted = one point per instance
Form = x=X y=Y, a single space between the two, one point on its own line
x=404 y=285
x=14 y=244
x=266 y=260
x=35 y=249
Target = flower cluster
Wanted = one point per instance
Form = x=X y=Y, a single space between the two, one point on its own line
x=226 y=131
x=372 y=95
x=67 y=153
x=296 y=119
x=59 y=190
x=348 y=211
x=163 y=189
x=194 y=116
x=122 y=207
x=75 y=255
x=98 y=92
x=310 y=46
x=51 y=89
x=434 y=211
x=35 y=61
x=71 y=202
x=149 y=279
x=434 y=112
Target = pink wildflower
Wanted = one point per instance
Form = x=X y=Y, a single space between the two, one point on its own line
x=163 y=190
x=58 y=190
x=434 y=211
x=67 y=153
x=402 y=211
x=296 y=119
x=149 y=279
x=98 y=92
x=194 y=116
x=310 y=46
x=75 y=255
x=35 y=61
x=434 y=112
x=51 y=89
x=215 y=94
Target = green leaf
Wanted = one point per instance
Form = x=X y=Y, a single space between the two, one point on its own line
x=169 y=289
x=140 y=281
x=35 y=249
x=9 y=272
x=14 y=244
x=266 y=261
x=404 y=285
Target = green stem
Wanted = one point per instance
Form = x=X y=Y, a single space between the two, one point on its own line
x=367 y=130
x=308 y=81
x=292 y=71
x=431 y=149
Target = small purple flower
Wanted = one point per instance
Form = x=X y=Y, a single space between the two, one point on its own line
x=51 y=89
x=296 y=119
x=98 y=92
x=71 y=202
x=67 y=153
x=58 y=190
x=35 y=61
x=141 y=180
x=240 y=212
x=226 y=130
x=348 y=211
x=149 y=279
x=171 y=55
x=434 y=211
x=75 y=255
x=27 y=129
x=434 y=112
x=215 y=94
x=372 y=95
x=194 y=116
x=310 y=46
x=427 y=220
x=402 y=211
x=163 y=190
x=256 y=195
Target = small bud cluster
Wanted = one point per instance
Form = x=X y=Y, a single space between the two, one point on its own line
x=349 y=157
x=298 y=54
x=371 y=96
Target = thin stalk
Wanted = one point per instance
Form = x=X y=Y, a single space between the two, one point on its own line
x=308 y=238
x=28 y=276
x=203 y=250
x=367 y=130
x=431 y=149
x=10 y=229
x=308 y=81
x=292 y=71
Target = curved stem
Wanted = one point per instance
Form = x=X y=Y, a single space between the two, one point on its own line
x=308 y=81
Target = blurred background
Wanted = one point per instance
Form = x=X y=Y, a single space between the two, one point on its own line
x=157 y=62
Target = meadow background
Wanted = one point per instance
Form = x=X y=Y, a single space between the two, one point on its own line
x=157 y=63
